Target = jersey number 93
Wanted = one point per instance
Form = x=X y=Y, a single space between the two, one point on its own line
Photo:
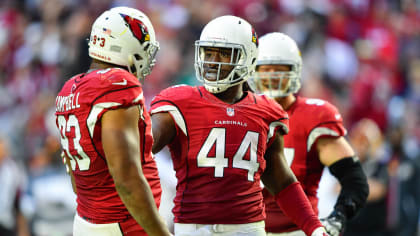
x=70 y=141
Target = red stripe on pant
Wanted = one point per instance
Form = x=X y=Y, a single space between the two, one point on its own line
x=130 y=227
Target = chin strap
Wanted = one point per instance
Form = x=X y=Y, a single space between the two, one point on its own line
x=214 y=89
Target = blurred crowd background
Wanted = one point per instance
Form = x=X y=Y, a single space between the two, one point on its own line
x=361 y=55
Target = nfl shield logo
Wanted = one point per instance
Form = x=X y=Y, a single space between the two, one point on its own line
x=230 y=111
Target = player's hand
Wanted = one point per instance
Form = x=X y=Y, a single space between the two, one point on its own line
x=334 y=223
x=63 y=156
x=320 y=231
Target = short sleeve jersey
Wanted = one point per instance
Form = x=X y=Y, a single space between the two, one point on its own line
x=218 y=153
x=79 y=108
x=310 y=119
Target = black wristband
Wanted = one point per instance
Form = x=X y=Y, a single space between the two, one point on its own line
x=354 y=186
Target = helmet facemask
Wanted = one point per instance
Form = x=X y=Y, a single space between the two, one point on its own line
x=237 y=37
x=141 y=67
x=279 y=66
x=277 y=83
x=216 y=75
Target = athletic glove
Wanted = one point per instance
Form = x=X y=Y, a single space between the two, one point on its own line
x=334 y=223
x=320 y=231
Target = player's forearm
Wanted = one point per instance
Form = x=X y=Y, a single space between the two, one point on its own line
x=138 y=198
x=354 y=186
x=69 y=171
x=290 y=197
x=22 y=225
x=275 y=183
x=294 y=203
x=73 y=182
x=120 y=140
x=163 y=129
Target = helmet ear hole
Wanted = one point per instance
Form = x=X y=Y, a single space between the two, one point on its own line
x=138 y=57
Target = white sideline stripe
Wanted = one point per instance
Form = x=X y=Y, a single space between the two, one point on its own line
x=96 y=110
x=273 y=126
x=317 y=132
x=176 y=114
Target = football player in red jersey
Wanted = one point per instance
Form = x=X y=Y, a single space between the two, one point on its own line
x=315 y=139
x=224 y=140
x=106 y=130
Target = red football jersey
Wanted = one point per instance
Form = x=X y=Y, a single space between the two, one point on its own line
x=310 y=119
x=79 y=108
x=218 y=153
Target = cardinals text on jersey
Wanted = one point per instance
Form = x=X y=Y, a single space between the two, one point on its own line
x=218 y=153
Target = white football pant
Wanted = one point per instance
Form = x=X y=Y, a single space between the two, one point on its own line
x=250 y=229
x=83 y=228
x=293 y=233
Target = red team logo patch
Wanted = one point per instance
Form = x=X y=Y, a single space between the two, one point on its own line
x=137 y=27
x=254 y=37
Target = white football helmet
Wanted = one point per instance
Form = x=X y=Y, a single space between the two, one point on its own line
x=278 y=49
x=233 y=33
x=124 y=36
